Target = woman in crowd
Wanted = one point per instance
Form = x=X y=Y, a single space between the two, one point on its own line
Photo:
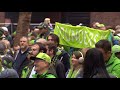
x=94 y=66
x=77 y=65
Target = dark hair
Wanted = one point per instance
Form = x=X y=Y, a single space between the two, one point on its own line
x=24 y=37
x=42 y=47
x=34 y=34
x=104 y=44
x=55 y=38
x=94 y=64
x=2 y=48
x=77 y=54
x=52 y=46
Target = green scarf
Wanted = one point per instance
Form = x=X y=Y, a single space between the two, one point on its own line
x=73 y=73
x=25 y=72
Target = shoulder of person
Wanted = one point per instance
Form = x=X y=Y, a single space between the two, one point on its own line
x=59 y=63
x=97 y=76
x=117 y=61
x=63 y=52
x=50 y=76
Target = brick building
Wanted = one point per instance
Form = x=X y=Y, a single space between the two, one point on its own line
x=108 y=18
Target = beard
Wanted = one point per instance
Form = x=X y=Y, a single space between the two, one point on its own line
x=23 y=47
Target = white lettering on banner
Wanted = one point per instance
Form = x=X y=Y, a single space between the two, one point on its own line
x=81 y=39
x=73 y=35
x=70 y=35
x=59 y=31
x=85 y=38
x=103 y=36
x=67 y=35
x=95 y=37
x=68 y=38
x=90 y=39
x=78 y=36
x=62 y=32
x=57 y=26
x=62 y=28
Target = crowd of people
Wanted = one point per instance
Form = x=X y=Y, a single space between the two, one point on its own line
x=40 y=55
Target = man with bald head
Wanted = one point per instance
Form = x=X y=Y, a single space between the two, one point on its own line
x=41 y=40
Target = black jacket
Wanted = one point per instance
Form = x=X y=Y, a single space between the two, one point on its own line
x=57 y=68
x=60 y=69
x=65 y=59
x=20 y=60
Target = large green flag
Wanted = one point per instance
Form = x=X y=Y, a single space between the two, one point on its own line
x=79 y=36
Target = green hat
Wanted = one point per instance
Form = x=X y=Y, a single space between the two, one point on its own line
x=14 y=33
x=31 y=41
x=100 y=25
x=115 y=49
x=116 y=38
x=44 y=57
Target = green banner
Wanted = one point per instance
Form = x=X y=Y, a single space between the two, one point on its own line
x=79 y=36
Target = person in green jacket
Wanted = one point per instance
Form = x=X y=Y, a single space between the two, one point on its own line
x=111 y=61
x=35 y=49
x=42 y=63
x=116 y=50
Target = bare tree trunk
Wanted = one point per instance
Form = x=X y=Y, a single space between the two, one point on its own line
x=23 y=25
x=2 y=18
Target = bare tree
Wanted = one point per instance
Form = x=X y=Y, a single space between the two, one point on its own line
x=23 y=25
x=2 y=18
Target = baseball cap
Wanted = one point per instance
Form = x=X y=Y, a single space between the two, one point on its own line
x=100 y=25
x=117 y=27
x=43 y=56
x=31 y=41
x=116 y=38
x=7 y=61
x=118 y=34
x=4 y=29
x=115 y=48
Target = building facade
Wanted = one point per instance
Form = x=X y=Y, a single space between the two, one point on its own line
x=74 y=18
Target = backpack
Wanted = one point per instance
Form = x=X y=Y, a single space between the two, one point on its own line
x=55 y=60
x=7 y=61
x=64 y=57
x=52 y=67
